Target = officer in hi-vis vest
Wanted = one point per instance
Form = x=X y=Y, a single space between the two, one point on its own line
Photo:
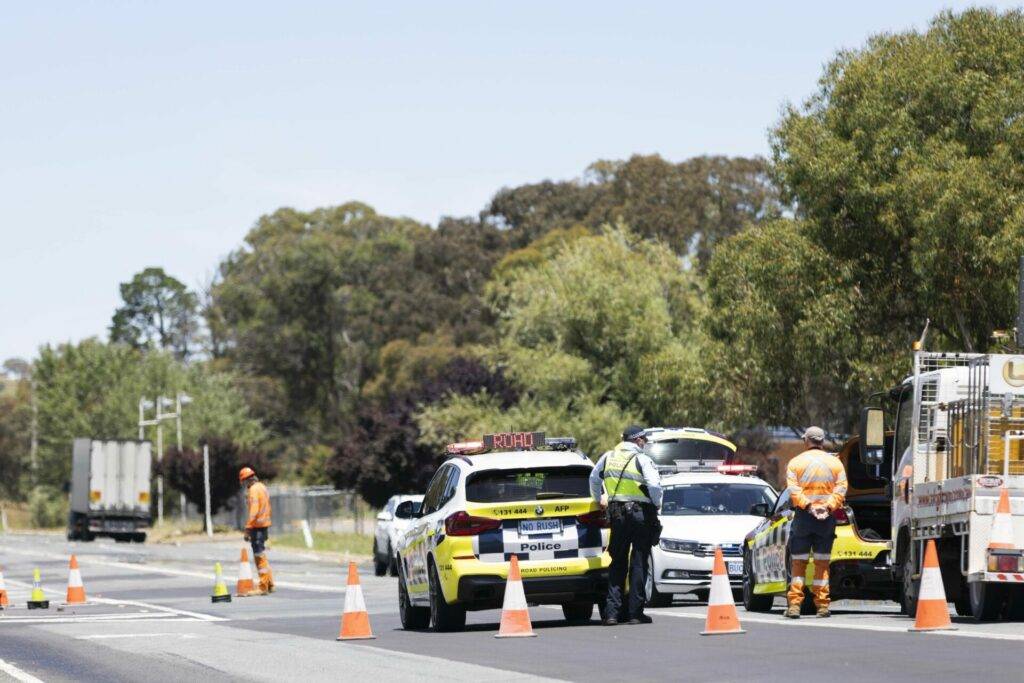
x=632 y=497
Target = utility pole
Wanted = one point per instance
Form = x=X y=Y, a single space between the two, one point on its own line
x=144 y=405
x=206 y=489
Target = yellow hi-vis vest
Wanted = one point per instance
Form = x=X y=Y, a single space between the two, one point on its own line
x=623 y=461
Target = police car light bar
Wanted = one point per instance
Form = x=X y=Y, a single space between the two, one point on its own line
x=465 y=448
x=560 y=443
x=737 y=469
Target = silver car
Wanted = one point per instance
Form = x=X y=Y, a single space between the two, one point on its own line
x=392 y=522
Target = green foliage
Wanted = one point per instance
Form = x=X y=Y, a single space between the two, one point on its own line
x=159 y=312
x=578 y=333
x=907 y=167
x=48 y=507
x=93 y=389
x=15 y=420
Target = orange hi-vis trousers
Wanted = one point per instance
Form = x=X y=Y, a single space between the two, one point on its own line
x=263 y=569
x=819 y=588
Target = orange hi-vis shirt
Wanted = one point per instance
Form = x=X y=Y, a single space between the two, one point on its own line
x=815 y=476
x=259 y=507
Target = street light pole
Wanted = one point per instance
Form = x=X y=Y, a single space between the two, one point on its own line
x=145 y=404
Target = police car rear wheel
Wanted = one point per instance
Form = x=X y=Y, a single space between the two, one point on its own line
x=413 y=618
x=443 y=617
x=578 y=612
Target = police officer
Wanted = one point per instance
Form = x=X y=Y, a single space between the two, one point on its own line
x=632 y=497
x=816 y=482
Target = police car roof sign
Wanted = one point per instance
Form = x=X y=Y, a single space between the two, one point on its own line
x=514 y=440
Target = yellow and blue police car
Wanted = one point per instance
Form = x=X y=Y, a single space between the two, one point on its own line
x=859 y=568
x=510 y=494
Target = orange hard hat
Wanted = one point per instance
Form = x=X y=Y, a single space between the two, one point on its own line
x=245 y=473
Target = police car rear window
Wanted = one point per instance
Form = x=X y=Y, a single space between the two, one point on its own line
x=538 y=483
x=668 y=452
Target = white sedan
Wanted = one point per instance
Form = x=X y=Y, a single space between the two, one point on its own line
x=699 y=511
x=392 y=522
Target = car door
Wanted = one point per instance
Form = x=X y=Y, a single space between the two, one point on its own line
x=768 y=556
x=422 y=532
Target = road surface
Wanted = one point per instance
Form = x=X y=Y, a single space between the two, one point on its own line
x=151 y=619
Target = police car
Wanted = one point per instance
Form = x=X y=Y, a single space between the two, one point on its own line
x=510 y=494
x=859 y=568
x=699 y=510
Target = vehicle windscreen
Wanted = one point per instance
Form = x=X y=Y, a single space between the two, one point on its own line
x=537 y=483
x=671 y=453
x=715 y=499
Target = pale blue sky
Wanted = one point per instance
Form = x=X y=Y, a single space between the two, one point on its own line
x=140 y=133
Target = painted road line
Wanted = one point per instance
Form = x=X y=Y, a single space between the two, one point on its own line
x=832 y=623
x=92 y=619
x=106 y=636
x=17 y=674
x=169 y=571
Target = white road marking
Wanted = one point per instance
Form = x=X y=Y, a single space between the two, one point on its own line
x=83 y=618
x=17 y=674
x=105 y=636
x=87 y=560
x=818 y=623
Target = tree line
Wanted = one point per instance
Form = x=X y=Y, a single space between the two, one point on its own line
x=344 y=346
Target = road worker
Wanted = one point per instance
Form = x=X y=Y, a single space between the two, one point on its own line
x=632 y=497
x=257 y=529
x=816 y=483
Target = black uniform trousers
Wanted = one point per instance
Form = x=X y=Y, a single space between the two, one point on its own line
x=631 y=531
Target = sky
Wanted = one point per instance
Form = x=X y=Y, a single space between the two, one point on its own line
x=137 y=134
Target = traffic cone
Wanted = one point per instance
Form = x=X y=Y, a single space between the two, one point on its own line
x=76 y=589
x=245 y=586
x=932 y=608
x=4 y=603
x=722 y=616
x=37 y=600
x=1001 y=535
x=355 y=622
x=515 y=615
x=220 y=591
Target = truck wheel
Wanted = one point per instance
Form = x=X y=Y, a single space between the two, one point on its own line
x=987 y=600
x=443 y=617
x=413 y=618
x=908 y=596
x=753 y=602
x=139 y=537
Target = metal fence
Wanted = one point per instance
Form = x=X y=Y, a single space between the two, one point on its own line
x=324 y=508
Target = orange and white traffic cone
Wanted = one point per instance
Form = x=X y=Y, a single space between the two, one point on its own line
x=722 y=616
x=245 y=586
x=515 y=614
x=1001 y=534
x=355 y=621
x=932 y=608
x=76 y=590
x=4 y=602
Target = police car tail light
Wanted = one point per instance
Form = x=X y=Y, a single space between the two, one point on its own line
x=594 y=518
x=462 y=523
x=841 y=516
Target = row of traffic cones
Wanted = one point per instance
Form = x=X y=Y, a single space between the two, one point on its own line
x=37 y=598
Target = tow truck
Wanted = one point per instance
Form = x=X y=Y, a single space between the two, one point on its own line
x=957 y=425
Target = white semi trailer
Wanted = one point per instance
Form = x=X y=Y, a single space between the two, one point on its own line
x=110 y=485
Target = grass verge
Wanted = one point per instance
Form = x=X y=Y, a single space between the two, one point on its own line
x=346 y=544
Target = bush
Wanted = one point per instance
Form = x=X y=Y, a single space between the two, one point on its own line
x=47 y=507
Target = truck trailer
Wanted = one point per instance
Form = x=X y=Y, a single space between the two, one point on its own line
x=110 y=485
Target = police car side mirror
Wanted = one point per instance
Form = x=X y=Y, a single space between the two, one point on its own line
x=760 y=509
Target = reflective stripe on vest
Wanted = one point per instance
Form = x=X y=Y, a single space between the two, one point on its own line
x=626 y=487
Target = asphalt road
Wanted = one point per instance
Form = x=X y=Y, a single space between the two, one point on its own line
x=151 y=619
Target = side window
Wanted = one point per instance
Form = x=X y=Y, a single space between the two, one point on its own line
x=451 y=486
x=783 y=502
x=434 y=490
x=904 y=423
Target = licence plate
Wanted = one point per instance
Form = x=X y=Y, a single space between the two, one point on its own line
x=735 y=568
x=528 y=527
